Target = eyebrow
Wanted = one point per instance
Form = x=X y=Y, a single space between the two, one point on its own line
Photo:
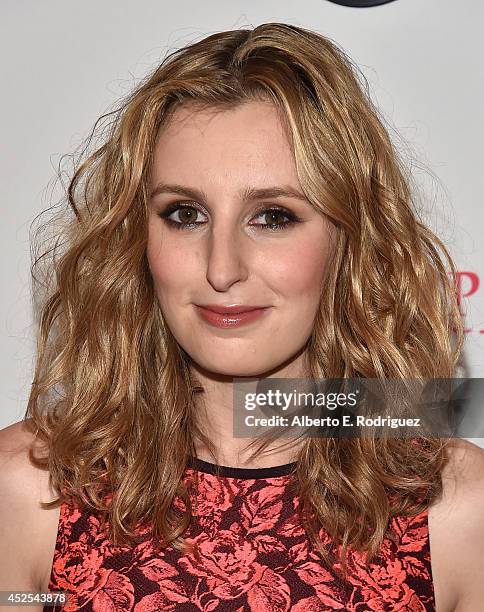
x=247 y=194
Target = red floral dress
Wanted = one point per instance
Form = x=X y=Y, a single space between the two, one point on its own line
x=255 y=556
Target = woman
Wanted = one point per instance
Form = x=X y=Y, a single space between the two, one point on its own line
x=248 y=172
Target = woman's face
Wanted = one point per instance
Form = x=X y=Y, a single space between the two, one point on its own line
x=215 y=166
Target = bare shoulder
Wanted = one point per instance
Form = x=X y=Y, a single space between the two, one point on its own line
x=27 y=531
x=456 y=527
x=15 y=441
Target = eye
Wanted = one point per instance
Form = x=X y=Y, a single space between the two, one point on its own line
x=188 y=215
x=269 y=214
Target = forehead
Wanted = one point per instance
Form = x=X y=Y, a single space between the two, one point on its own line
x=250 y=138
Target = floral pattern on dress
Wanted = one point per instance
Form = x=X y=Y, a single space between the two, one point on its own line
x=255 y=556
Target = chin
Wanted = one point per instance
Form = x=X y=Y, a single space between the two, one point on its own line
x=235 y=368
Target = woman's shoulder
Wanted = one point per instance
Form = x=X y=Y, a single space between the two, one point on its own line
x=456 y=523
x=27 y=531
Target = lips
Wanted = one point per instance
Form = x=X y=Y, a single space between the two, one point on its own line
x=230 y=316
x=232 y=309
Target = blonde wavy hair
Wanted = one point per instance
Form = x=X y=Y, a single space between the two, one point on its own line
x=112 y=396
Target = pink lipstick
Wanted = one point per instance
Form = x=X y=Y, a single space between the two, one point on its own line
x=230 y=316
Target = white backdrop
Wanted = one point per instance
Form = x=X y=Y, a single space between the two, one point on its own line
x=64 y=63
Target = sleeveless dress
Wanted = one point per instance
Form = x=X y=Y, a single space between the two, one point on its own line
x=255 y=556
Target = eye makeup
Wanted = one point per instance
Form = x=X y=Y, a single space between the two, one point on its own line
x=274 y=211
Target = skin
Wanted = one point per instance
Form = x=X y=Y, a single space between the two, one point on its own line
x=230 y=257
x=225 y=261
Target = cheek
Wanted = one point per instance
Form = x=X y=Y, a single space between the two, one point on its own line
x=170 y=266
x=299 y=270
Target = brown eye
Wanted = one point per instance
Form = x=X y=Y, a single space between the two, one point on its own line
x=187 y=214
x=275 y=219
x=271 y=217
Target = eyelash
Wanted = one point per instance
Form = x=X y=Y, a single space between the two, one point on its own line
x=273 y=227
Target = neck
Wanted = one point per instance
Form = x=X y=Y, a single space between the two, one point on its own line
x=214 y=410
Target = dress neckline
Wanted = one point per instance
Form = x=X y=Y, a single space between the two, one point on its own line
x=199 y=465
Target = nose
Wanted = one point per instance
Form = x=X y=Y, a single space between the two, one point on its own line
x=226 y=257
